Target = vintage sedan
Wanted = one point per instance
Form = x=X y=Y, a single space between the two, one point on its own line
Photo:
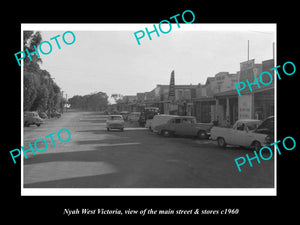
x=243 y=133
x=32 y=118
x=267 y=127
x=183 y=126
x=115 y=122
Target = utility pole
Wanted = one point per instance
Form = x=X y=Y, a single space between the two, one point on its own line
x=51 y=101
x=248 y=50
x=66 y=102
x=62 y=103
x=273 y=50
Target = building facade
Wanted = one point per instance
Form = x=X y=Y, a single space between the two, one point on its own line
x=219 y=101
x=258 y=103
x=215 y=101
x=181 y=104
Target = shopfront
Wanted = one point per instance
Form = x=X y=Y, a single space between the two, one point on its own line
x=204 y=109
x=263 y=103
x=226 y=108
x=258 y=104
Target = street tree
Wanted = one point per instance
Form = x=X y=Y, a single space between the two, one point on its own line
x=41 y=93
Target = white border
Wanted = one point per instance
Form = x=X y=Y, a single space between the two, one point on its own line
x=149 y=191
x=275 y=112
x=22 y=116
x=261 y=27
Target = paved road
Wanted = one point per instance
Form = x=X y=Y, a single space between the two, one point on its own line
x=135 y=158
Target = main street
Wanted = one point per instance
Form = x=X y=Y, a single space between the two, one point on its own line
x=135 y=158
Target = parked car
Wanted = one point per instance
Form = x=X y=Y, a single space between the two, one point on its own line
x=32 y=118
x=147 y=114
x=43 y=115
x=56 y=114
x=134 y=116
x=125 y=115
x=115 y=122
x=184 y=126
x=267 y=127
x=243 y=133
x=158 y=120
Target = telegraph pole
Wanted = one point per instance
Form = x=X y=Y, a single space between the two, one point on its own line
x=62 y=103
x=248 y=50
x=51 y=101
x=273 y=50
x=66 y=102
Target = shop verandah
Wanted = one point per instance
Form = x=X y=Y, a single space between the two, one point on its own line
x=222 y=109
x=225 y=108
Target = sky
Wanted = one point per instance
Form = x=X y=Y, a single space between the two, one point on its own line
x=111 y=61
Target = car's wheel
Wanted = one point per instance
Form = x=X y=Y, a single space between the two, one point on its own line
x=256 y=145
x=221 y=142
x=201 y=134
x=107 y=129
x=166 y=133
x=122 y=129
x=38 y=124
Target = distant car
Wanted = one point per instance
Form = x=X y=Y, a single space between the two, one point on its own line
x=114 y=112
x=147 y=114
x=32 y=118
x=184 y=126
x=115 y=122
x=125 y=115
x=56 y=114
x=43 y=115
x=134 y=116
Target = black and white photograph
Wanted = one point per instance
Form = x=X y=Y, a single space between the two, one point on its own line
x=149 y=111
x=107 y=112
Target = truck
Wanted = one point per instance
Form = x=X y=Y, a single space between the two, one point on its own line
x=147 y=114
x=243 y=133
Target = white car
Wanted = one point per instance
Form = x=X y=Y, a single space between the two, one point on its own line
x=243 y=133
x=115 y=122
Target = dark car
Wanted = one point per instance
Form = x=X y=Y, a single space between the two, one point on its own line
x=267 y=127
x=43 y=115
x=125 y=115
x=147 y=114
x=32 y=118
x=55 y=114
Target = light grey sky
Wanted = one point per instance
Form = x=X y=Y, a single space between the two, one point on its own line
x=113 y=62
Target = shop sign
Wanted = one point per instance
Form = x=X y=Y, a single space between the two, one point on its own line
x=245 y=103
